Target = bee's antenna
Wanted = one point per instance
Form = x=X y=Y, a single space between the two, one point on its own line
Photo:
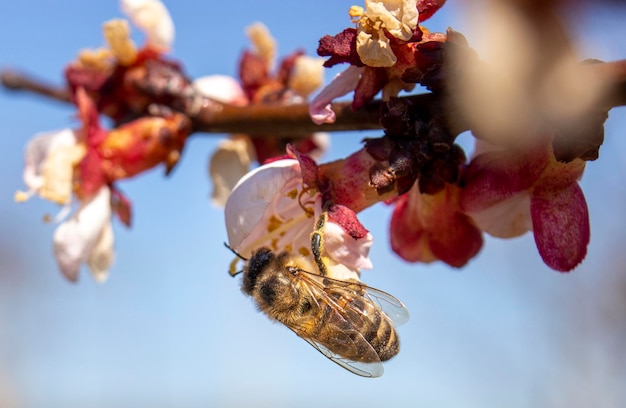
x=235 y=252
x=233 y=265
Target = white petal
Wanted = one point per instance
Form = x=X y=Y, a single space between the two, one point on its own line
x=221 y=88
x=37 y=151
x=153 y=19
x=75 y=239
x=344 y=82
x=229 y=163
x=102 y=255
x=307 y=75
x=250 y=198
x=399 y=17
x=375 y=49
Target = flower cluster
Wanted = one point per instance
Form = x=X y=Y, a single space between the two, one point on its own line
x=80 y=166
x=444 y=203
x=387 y=51
x=126 y=81
x=297 y=76
x=524 y=179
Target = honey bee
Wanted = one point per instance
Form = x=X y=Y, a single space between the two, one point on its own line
x=347 y=321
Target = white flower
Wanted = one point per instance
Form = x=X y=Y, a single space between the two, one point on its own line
x=49 y=165
x=307 y=75
x=87 y=236
x=231 y=160
x=396 y=17
x=267 y=209
x=229 y=163
x=221 y=88
x=153 y=19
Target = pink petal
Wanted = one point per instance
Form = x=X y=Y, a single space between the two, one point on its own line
x=372 y=80
x=457 y=241
x=348 y=220
x=495 y=176
x=561 y=226
x=353 y=253
x=320 y=108
x=408 y=237
x=121 y=206
x=425 y=228
x=308 y=167
x=428 y=7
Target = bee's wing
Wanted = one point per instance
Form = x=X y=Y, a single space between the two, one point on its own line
x=392 y=307
x=344 y=323
x=370 y=370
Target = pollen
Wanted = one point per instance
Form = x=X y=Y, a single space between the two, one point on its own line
x=21 y=196
x=98 y=59
x=356 y=12
x=273 y=223
x=117 y=35
x=293 y=193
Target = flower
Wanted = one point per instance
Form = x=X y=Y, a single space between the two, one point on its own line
x=297 y=76
x=344 y=82
x=509 y=192
x=152 y=17
x=81 y=166
x=50 y=159
x=430 y=227
x=273 y=206
x=387 y=51
x=87 y=236
x=396 y=18
x=123 y=79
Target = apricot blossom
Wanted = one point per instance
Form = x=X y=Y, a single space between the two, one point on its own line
x=510 y=192
x=430 y=227
x=273 y=207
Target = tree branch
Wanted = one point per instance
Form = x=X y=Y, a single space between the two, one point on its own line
x=213 y=117
x=16 y=81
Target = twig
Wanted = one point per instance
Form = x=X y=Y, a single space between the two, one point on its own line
x=16 y=81
x=213 y=117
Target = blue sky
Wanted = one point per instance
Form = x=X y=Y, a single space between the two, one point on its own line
x=171 y=328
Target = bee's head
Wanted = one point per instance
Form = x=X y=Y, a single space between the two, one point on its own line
x=257 y=263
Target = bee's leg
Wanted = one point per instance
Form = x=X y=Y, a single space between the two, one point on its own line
x=317 y=244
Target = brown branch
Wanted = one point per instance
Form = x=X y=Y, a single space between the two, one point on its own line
x=212 y=117
x=292 y=119
x=16 y=81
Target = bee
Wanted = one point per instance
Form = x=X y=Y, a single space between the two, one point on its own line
x=347 y=321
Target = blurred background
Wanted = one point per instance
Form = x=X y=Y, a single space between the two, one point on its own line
x=171 y=328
